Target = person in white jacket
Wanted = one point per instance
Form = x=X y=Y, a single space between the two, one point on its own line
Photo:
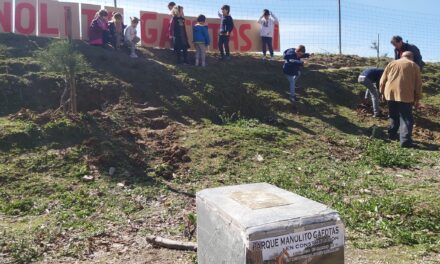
x=131 y=37
x=267 y=22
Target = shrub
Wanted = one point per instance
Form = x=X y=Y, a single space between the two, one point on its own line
x=387 y=155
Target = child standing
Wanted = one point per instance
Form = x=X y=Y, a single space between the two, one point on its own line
x=267 y=22
x=99 y=28
x=131 y=37
x=171 y=6
x=226 y=27
x=178 y=35
x=201 y=40
x=116 y=28
x=291 y=67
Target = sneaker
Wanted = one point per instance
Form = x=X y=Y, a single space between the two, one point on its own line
x=134 y=56
x=408 y=145
x=393 y=137
x=294 y=109
x=271 y=58
x=293 y=100
x=379 y=115
x=264 y=58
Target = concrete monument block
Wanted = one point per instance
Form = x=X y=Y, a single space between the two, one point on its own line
x=260 y=223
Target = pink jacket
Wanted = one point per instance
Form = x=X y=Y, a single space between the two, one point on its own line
x=97 y=31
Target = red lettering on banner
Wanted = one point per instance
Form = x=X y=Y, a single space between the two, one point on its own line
x=245 y=38
x=45 y=29
x=67 y=30
x=276 y=42
x=90 y=14
x=165 y=35
x=234 y=38
x=6 y=17
x=66 y=21
x=19 y=28
x=148 y=36
x=215 y=31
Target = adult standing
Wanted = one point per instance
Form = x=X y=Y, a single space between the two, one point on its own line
x=400 y=47
x=267 y=22
x=401 y=87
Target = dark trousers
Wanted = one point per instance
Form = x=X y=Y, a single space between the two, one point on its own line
x=223 y=45
x=401 y=118
x=180 y=49
x=179 y=53
x=267 y=43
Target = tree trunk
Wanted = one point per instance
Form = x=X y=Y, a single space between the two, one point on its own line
x=73 y=103
x=63 y=99
x=75 y=97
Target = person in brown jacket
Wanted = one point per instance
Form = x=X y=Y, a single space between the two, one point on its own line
x=401 y=87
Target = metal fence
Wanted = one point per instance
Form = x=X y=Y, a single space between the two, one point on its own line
x=315 y=23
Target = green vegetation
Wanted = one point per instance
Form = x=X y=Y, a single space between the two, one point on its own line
x=390 y=156
x=76 y=185
x=62 y=57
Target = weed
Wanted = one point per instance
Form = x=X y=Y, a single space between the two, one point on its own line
x=227 y=118
x=24 y=251
x=18 y=207
x=387 y=155
x=164 y=170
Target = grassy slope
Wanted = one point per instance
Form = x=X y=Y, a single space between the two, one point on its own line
x=232 y=112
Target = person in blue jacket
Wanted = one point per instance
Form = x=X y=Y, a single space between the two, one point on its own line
x=292 y=66
x=201 y=40
x=370 y=78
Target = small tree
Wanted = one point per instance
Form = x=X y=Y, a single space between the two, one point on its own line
x=61 y=57
x=375 y=45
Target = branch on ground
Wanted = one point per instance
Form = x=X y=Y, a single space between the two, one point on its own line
x=171 y=244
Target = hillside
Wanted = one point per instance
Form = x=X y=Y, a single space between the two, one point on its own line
x=89 y=187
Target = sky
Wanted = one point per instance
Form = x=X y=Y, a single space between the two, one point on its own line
x=314 y=23
x=423 y=6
